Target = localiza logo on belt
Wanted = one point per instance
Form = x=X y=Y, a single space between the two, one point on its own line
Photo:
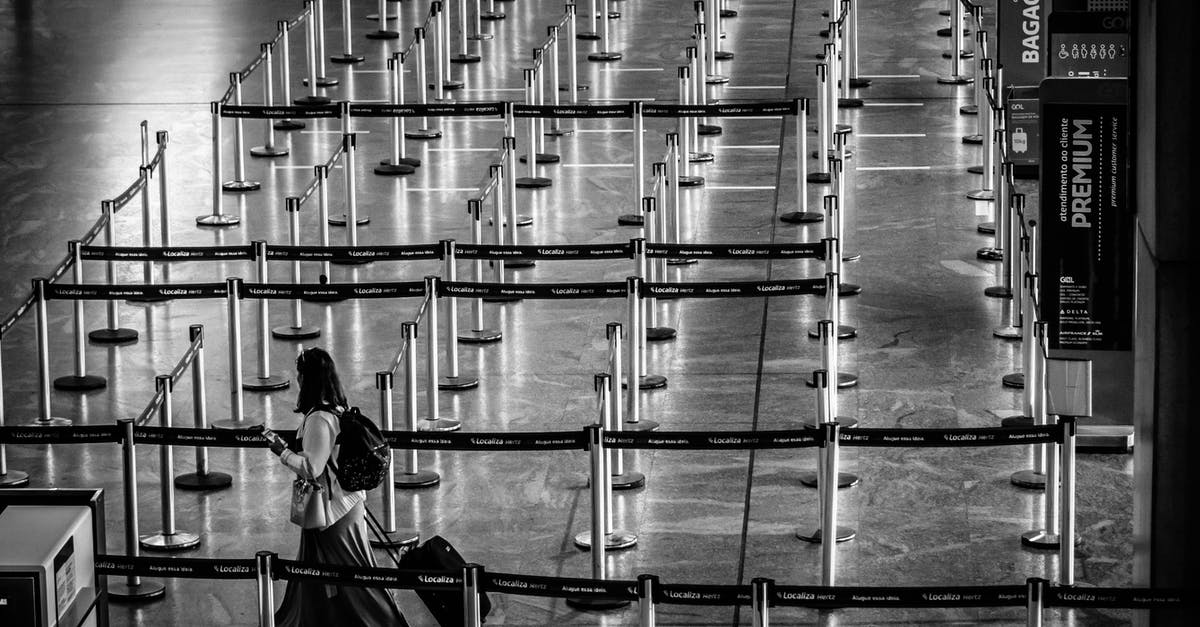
x=236 y=570
x=565 y=291
x=436 y=579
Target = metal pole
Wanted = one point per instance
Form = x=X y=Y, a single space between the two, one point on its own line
x=471 y=591
x=217 y=217
x=989 y=139
x=1066 y=544
x=572 y=55
x=44 y=418
x=268 y=149
x=823 y=131
x=439 y=72
x=266 y=592
x=110 y=268
x=829 y=502
x=296 y=330
x=285 y=69
x=616 y=401
x=408 y=330
x=170 y=538
x=956 y=35
x=73 y=248
x=1035 y=589
x=239 y=184
x=453 y=380
x=633 y=286
x=760 y=601
x=134 y=588
x=322 y=174
x=203 y=478
x=595 y=439
x=8 y=478
x=645 y=590
x=164 y=227
x=233 y=287
x=383 y=383
x=144 y=173
x=432 y=320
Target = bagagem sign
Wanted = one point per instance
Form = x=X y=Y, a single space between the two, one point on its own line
x=1021 y=40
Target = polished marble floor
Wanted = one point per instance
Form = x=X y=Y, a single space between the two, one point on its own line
x=77 y=77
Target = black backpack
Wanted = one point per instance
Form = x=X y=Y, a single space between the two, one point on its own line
x=362 y=459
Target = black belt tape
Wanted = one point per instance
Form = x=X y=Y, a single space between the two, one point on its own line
x=567 y=251
x=170 y=253
x=511 y=441
x=192 y=436
x=1132 y=598
x=279 y=111
x=949 y=596
x=684 y=594
x=422 y=110
x=176 y=567
x=713 y=440
x=992 y=436
x=83 y=291
x=367 y=577
x=354 y=253
x=60 y=435
x=786 y=107
x=400 y=289
x=738 y=251
x=735 y=289
x=509 y=583
x=544 y=290
x=573 y=111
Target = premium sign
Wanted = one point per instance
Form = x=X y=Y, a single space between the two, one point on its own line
x=1021 y=40
x=1086 y=273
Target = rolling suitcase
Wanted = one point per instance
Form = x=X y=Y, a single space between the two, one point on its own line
x=436 y=554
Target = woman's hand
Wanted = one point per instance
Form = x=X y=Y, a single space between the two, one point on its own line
x=278 y=446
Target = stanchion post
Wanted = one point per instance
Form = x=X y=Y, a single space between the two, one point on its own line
x=314 y=48
x=239 y=183
x=1035 y=599
x=472 y=589
x=573 y=85
x=829 y=504
x=285 y=72
x=169 y=538
x=413 y=477
x=824 y=132
x=432 y=320
x=233 y=301
x=382 y=32
x=44 y=419
x=297 y=329
x=1047 y=536
x=989 y=138
x=646 y=591
x=266 y=592
x=203 y=478
x=760 y=601
x=268 y=149
x=134 y=588
x=594 y=436
x=479 y=332
x=464 y=55
x=399 y=163
x=425 y=132
x=264 y=380
x=347 y=38
x=113 y=333
x=1066 y=545
x=144 y=173
x=80 y=380
x=955 y=76
x=218 y=217
x=384 y=383
x=453 y=379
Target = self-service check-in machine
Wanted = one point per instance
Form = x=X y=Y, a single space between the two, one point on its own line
x=48 y=543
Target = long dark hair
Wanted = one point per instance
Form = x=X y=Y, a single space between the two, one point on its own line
x=319 y=384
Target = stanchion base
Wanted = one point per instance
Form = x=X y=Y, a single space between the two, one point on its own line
x=461 y=382
x=542 y=157
x=722 y=55
x=849 y=103
x=700 y=157
x=630 y=219
x=492 y=15
x=223 y=219
x=998 y=291
x=465 y=58
x=844 y=534
x=419 y=479
x=559 y=132
x=691 y=181
x=145 y=590
x=597 y=605
x=200 y=482
x=615 y=541
x=264 y=384
x=728 y=13
x=716 y=79
x=708 y=129
x=374 y=17
x=394 y=169
x=641 y=425
x=844 y=332
x=649 y=382
x=604 y=56
x=229 y=424
x=1007 y=332
x=519 y=263
x=113 y=336
x=818 y=177
x=147 y=300
x=340 y=220
x=673 y=261
x=630 y=480
x=451 y=85
x=268 y=151
x=962 y=54
x=1013 y=380
x=849 y=289
x=423 y=133
x=53 y=421
x=973 y=139
x=397 y=539
x=14 y=479
x=986 y=228
x=858 y=83
x=802 y=217
x=324 y=81
x=987 y=253
x=659 y=334
x=383 y=34
x=981 y=194
x=533 y=182
x=345 y=58
x=241 y=186
x=295 y=333
x=955 y=79
x=845 y=422
x=178 y=541
x=975 y=169
x=311 y=101
x=845 y=379
x=969 y=109
x=72 y=383
x=409 y=161
x=845 y=480
x=480 y=336
x=443 y=424
x=1028 y=479
x=1017 y=422
x=1040 y=539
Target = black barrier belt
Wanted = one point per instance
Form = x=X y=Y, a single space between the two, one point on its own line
x=814 y=250
x=352 y=253
x=464 y=289
x=507 y=441
x=713 y=440
x=1131 y=598
x=367 y=577
x=988 y=436
x=735 y=289
x=129 y=193
x=564 y=251
x=84 y=291
x=399 y=289
x=854 y=596
x=17 y=313
x=83 y=434
x=573 y=111
x=531 y=585
x=746 y=109
x=193 y=436
x=176 y=567
x=684 y=594
x=482 y=109
x=166 y=253
x=279 y=111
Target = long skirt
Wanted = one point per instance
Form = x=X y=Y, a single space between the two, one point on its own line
x=317 y=604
